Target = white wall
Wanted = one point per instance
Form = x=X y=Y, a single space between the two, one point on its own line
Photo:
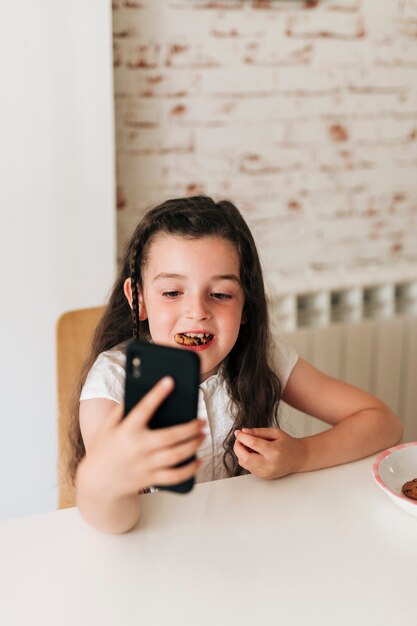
x=57 y=222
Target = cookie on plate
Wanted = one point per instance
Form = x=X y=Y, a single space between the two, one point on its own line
x=409 y=489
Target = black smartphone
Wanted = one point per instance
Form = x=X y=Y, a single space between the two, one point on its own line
x=146 y=363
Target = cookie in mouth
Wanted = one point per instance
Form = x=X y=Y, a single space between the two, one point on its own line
x=193 y=339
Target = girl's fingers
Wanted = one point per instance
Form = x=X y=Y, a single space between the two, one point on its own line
x=176 y=475
x=243 y=456
x=144 y=410
x=254 y=443
x=269 y=434
x=169 y=457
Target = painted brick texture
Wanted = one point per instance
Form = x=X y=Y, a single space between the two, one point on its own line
x=302 y=113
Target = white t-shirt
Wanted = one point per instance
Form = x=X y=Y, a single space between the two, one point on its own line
x=107 y=377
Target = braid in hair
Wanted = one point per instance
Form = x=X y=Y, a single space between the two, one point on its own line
x=134 y=287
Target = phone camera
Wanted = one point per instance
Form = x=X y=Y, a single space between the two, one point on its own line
x=136 y=367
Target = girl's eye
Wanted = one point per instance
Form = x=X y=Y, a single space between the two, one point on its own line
x=171 y=294
x=221 y=296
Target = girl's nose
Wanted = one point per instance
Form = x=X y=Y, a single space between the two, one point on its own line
x=198 y=309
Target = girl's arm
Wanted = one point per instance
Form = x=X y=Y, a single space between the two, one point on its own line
x=362 y=425
x=95 y=501
x=124 y=456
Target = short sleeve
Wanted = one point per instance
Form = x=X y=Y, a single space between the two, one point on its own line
x=106 y=378
x=286 y=359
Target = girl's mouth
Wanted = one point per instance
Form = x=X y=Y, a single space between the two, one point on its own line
x=193 y=340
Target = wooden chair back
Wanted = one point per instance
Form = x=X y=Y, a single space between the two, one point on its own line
x=74 y=331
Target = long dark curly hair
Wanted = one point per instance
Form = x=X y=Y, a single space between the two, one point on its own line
x=249 y=369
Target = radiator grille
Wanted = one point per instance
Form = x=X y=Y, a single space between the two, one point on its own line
x=377 y=355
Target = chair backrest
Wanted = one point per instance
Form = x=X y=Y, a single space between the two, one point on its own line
x=74 y=331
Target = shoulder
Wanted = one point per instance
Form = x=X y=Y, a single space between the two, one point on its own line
x=107 y=375
x=286 y=359
x=115 y=357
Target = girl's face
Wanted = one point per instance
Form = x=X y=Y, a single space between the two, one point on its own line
x=192 y=296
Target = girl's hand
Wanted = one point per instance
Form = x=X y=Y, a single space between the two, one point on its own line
x=126 y=456
x=268 y=452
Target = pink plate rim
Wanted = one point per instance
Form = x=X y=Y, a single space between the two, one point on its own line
x=375 y=470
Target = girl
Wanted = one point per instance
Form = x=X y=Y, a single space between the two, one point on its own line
x=191 y=278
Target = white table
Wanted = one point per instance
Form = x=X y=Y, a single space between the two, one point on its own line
x=325 y=548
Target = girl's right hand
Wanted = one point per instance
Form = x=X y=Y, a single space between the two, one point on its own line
x=126 y=456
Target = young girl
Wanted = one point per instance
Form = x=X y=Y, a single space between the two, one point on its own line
x=191 y=278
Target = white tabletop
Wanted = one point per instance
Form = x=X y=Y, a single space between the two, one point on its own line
x=325 y=548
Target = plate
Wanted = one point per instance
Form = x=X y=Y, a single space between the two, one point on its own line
x=393 y=468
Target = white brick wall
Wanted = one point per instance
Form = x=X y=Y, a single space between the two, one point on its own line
x=302 y=113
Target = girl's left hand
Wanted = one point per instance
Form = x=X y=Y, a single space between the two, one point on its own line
x=268 y=452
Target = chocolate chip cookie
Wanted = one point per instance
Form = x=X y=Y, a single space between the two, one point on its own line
x=409 y=489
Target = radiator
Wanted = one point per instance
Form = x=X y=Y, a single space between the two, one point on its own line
x=377 y=355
